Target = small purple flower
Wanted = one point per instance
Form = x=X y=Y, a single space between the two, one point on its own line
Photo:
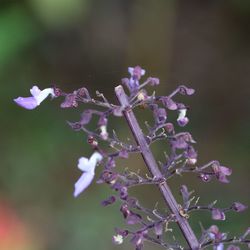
x=110 y=200
x=136 y=73
x=215 y=235
x=191 y=155
x=70 y=101
x=88 y=168
x=158 y=228
x=221 y=172
x=169 y=103
x=161 y=115
x=86 y=117
x=123 y=153
x=185 y=90
x=38 y=96
x=182 y=140
x=133 y=218
x=182 y=119
x=123 y=192
x=169 y=127
x=138 y=239
x=153 y=81
x=238 y=207
x=218 y=214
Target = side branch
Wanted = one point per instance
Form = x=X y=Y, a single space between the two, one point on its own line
x=154 y=170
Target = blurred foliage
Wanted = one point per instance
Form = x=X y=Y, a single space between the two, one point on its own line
x=73 y=43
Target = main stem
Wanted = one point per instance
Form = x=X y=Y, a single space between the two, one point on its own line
x=154 y=170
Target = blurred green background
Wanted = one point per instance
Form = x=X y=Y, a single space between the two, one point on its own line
x=74 y=43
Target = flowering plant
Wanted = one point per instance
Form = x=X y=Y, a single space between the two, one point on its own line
x=150 y=223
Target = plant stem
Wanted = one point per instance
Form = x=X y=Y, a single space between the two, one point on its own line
x=154 y=170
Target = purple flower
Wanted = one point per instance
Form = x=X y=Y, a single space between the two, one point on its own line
x=221 y=172
x=123 y=153
x=182 y=140
x=218 y=214
x=215 y=235
x=70 y=101
x=238 y=207
x=169 y=127
x=169 y=103
x=88 y=168
x=185 y=90
x=35 y=100
x=110 y=200
x=136 y=73
x=153 y=81
x=160 y=114
x=182 y=119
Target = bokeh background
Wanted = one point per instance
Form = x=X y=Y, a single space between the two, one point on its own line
x=73 y=43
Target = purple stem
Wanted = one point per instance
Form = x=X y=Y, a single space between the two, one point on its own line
x=154 y=170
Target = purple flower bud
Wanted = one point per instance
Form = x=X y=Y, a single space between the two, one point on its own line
x=123 y=153
x=232 y=247
x=110 y=200
x=238 y=207
x=103 y=121
x=108 y=177
x=182 y=140
x=161 y=115
x=153 y=81
x=215 y=235
x=118 y=111
x=92 y=141
x=158 y=227
x=125 y=210
x=169 y=103
x=186 y=91
x=70 y=101
x=133 y=218
x=86 y=117
x=123 y=193
x=137 y=240
x=218 y=214
x=83 y=93
x=137 y=72
x=75 y=125
x=57 y=91
x=221 y=172
x=169 y=127
x=132 y=202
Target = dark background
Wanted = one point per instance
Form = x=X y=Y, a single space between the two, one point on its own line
x=74 y=43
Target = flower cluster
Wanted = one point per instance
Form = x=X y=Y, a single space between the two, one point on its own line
x=150 y=223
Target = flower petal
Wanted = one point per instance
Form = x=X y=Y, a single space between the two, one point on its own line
x=26 y=102
x=83 y=164
x=35 y=91
x=43 y=94
x=83 y=182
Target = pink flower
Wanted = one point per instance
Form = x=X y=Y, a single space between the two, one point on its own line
x=37 y=97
